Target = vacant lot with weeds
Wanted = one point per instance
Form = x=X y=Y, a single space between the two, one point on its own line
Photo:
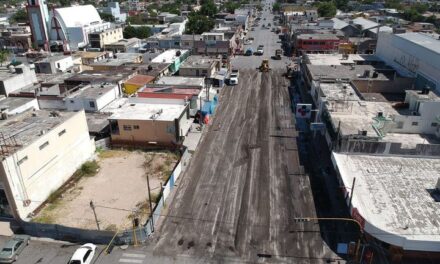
x=116 y=183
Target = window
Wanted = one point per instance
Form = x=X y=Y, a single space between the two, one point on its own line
x=45 y=144
x=135 y=127
x=126 y=127
x=86 y=256
x=434 y=124
x=17 y=245
x=415 y=123
x=62 y=132
x=92 y=104
x=25 y=158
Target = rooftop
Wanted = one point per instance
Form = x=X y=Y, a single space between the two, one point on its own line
x=96 y=122
x=119 y=59
x=318 y=36
x=347 y=72
x=125 y=42
x=53 y=58
x=170 y=89
x=100 y=76
x=92 y=91
x=422 y=40
x=140 y=79
x=27 y=127
x=90 y=54
x=393 y=195
x=169 y=56
x=14 y=102
x=196 y=61
x=179 y=80
x=339 y=59
x=147 y=111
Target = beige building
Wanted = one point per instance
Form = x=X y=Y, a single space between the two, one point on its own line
x=99 y=40
x=138 y=123
x=40 y=150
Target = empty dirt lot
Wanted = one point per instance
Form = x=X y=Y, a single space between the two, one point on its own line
x=119 y=186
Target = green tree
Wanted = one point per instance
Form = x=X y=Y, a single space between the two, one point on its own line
x=107 y=17
x=327 y=9
x=173 y=8
x=230 y=6
x=276 y=7
x=4 y=54
x=413 y=15
x=208 y=9
x=19 y=17
x=136 y=20
x=136 y=32
x=143 y=32
x=198 y=23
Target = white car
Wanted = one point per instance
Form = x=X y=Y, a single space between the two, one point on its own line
x=83 y=255
x=233 y=78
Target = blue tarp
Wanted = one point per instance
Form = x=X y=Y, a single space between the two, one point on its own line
x=209 y=106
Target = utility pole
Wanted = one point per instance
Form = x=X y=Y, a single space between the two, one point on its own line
x=351 y=193
x=94 y=212
x=151 y=204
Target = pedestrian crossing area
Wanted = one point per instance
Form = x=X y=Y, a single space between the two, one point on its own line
x=132 y=258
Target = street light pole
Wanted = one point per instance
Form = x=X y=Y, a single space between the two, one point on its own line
x=361 y=230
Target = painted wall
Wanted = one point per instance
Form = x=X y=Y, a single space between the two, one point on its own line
x=32 y=174
x=162 y=132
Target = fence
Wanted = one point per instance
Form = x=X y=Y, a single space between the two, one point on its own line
x=64 y=233
x=169 y=186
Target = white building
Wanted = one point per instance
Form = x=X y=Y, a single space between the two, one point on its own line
x=92 y=98
x=40 y=152
x=413 y=55
x=64 y=28
x=14 y=79
x=54 y=64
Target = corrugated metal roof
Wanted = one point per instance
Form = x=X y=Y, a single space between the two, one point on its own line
x=422 y=40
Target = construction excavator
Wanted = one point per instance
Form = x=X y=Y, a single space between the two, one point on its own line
x=264 y=67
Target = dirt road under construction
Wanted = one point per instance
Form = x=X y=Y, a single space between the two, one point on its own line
x=237 y=200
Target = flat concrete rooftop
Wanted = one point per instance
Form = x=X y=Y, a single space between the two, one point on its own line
x=393 y=195
x=338 y=59
x=14 y=102
x=346 y=72
x=145 y=111
x=28 y=126
x=178 y=80
x=196 y=61
x=93 y=91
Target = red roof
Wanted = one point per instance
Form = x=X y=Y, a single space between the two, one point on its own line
x=140 y=79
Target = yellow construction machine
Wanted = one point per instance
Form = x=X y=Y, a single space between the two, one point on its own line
x=264 y=67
